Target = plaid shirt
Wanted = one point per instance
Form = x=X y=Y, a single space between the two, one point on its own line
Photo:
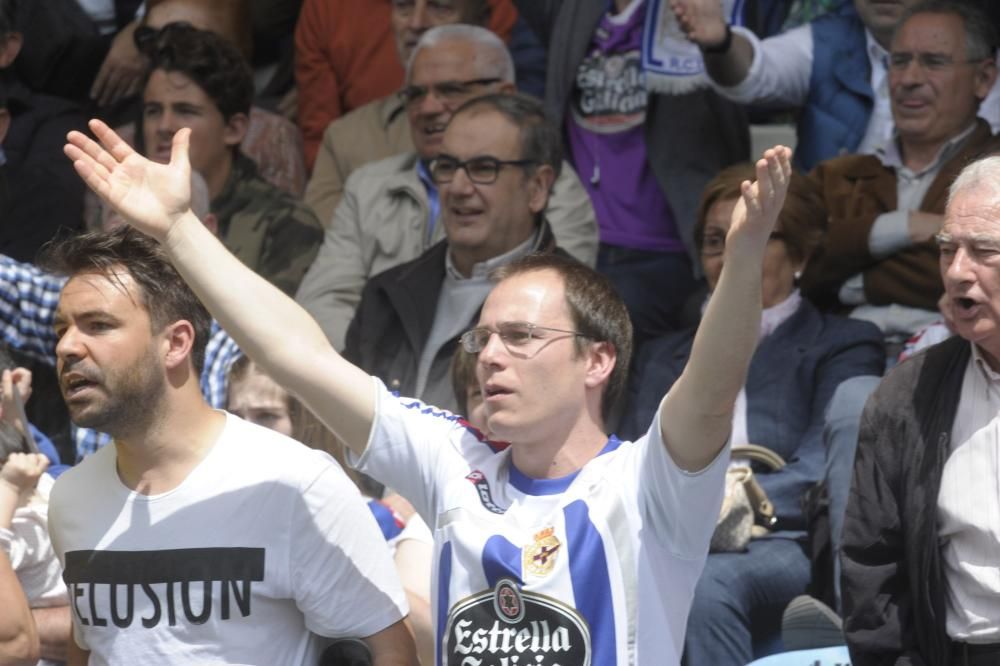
x=28 y=300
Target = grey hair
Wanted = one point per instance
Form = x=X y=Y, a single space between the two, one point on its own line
x=980 y=33
x=493 y=60
x=981 y=175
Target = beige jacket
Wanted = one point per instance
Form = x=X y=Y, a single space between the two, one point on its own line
x=382 y=222
x=369 y=133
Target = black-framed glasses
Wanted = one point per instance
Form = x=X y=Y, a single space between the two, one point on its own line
x=481 y=170
x=929 y=62
x=519 y=337
x=448 y=92
x=712 y=245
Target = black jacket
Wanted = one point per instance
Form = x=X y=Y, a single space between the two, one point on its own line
x=893 y=583
x=395 y=316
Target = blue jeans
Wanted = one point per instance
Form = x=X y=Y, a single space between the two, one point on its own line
x=654 y=285
x=840 y=436
x=740 y=599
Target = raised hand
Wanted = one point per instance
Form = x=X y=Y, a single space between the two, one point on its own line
x=757 y=209
x=701 y=20
x=150 y=196
x=22 y=470
x=21 y=378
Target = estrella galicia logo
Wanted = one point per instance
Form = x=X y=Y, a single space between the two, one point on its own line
x=478 y=479
x=509 y=626
x=157 y=587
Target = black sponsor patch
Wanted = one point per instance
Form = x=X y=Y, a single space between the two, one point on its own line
x=507 y=626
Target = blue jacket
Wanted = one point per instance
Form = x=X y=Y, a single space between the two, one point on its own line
x=834 y=118
x=793 y=374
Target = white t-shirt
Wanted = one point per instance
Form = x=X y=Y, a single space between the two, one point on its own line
x=595 y=568
x=265 y=544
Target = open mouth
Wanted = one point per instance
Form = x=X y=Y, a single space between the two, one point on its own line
x=76 y=384
x=431 y=130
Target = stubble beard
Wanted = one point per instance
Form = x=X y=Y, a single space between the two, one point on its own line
x=132 y=400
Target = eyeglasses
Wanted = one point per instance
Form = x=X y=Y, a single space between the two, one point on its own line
x=518 y=337
x=436 y=9
x=480 y=170
x=929 y=62
x=448 y=92
x=713 y=245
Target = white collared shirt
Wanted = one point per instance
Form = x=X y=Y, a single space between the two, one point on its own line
x=969 y=509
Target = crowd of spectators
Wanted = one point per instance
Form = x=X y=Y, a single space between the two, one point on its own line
x=382 y=163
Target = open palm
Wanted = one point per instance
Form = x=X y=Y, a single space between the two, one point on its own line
x=757 y=210
x=149 y=195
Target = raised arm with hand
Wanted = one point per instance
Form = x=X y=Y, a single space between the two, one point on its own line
x=697 y=413
x=270 y=327
x=703 y=23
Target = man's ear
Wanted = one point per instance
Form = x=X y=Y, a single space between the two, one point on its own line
x=603 y=358
x=236 y=129
x=10 y=46
x=986 y=76
x=540 y=187
x=178 y=341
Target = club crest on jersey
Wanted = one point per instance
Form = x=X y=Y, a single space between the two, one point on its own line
x=478 y=479
x=511 y=626
x=540 y=557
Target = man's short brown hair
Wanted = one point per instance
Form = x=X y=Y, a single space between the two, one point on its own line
x=162 y=291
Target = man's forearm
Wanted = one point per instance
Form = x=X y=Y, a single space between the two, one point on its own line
x=696 y=415
x=393 y=646
x=273 y=330
x=731 y=67
x=54 y=626
x=18 y=638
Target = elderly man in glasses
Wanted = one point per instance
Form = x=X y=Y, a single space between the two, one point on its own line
x=393 y=210
x=496 y=164
x=556 y=543
x=879 y=259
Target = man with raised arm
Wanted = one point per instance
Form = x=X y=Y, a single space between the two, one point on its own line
x=195 y=530
x=541 y=543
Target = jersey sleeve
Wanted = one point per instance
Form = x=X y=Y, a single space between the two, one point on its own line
x=415 y=448
x=679 y=508
x=342 y=574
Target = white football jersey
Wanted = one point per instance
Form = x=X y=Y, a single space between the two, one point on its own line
x=598 y=567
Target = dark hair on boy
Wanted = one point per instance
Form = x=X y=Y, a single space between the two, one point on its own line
x=163 y=293
x=211 y=62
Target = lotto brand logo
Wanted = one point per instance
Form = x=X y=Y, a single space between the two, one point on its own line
x=162 y=587
x=508 y=626
x=478 y=479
